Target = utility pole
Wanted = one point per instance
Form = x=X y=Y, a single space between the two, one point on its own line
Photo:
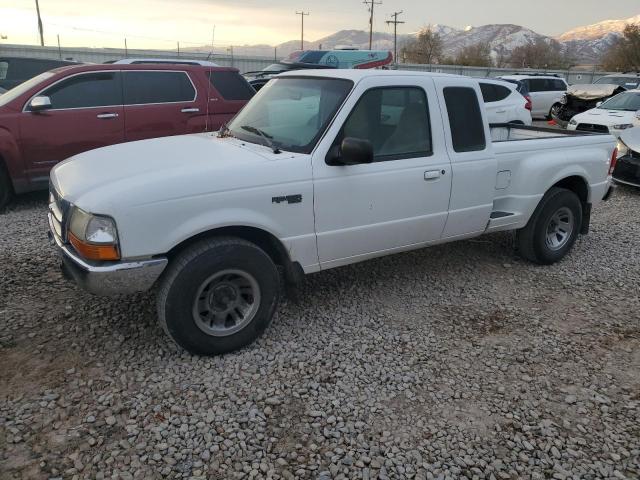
x=59 y=49
x=302 y=15
x=395 y=23
x=40 y=24
x=371 y=4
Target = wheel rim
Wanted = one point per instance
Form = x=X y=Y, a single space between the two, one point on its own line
x=560 y=228
x=226 y=302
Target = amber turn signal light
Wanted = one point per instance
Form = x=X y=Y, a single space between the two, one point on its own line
x=94 y=252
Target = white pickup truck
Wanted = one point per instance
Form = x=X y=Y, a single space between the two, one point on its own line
x=320 y=169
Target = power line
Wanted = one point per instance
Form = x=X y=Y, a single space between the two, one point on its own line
x=302 y=15
x=395 y=23
x=373 y=3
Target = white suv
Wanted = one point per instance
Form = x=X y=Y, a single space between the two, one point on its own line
x=545 y=91
x=503 y=102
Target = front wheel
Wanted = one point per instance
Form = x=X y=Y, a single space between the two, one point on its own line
x=552 y=229
x=218 y=295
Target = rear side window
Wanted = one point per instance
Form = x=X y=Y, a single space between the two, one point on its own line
x=99 y=89
x=493 y=93
x=142 y=88
x=231 y=85
x=465 y=119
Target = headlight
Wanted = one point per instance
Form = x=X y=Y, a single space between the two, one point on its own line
x=622 y=149
x=573 y=122
x=93 y=236
x=622 y=126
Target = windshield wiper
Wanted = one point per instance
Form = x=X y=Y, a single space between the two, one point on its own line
x=267 y=138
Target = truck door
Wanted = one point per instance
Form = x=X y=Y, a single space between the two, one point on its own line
x=401 y=199
x=473 y=163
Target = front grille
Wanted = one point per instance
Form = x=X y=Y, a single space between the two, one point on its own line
x=628 y=169
x=59 y=209
x=592 y=127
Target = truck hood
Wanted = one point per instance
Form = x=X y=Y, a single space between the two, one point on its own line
x=176 y=167
x=600 y=116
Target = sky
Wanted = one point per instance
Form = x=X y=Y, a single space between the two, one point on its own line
x=161 y=23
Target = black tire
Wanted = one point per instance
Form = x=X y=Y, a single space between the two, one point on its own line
x=6 y=188
x=191 y=269
x=532 y=240
x=550 y=115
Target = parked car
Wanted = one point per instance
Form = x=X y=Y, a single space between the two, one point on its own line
x=627 y=170
x=614 y=116
x=627 y=80
x=258 y=79
x=348 y=57
x=355 y=164
x=15 y=70
x=545 y=91
x=580 y=98
x=504 y=104
x=70 y=110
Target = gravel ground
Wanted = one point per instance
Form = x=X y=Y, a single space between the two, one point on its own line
x=459 y=361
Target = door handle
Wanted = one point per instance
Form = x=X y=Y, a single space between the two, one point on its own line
x=190 y=110
x=501 y=111
x=433 y=174
x=104 y=116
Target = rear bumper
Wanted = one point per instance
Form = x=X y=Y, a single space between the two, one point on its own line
x=108 y=278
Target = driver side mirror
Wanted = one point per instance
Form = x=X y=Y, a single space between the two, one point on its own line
x=40 y=103
x=598 y=104
x=352 y=151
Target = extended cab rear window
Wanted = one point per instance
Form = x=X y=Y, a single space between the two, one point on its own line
x=231 y=85
x=465 y=119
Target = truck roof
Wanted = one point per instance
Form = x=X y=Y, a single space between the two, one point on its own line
x=357 y=74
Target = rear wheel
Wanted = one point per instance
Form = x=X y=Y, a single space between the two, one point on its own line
x=552 y=229
x=6 y=189
x=554 y=110
x=218 y=295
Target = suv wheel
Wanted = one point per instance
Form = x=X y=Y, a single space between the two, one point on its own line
x=552 y=229
x=218 y=295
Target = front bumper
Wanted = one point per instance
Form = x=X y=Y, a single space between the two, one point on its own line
x=107 y=278
x=627 y=170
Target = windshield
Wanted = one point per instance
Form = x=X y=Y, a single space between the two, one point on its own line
x=15 y=92
x=626 y=82
x=290 y=113
x=628 y=101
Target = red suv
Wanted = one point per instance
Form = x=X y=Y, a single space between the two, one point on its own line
x=73 y=109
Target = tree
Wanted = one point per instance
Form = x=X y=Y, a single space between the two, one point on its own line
x=425 y=48
x=624 y=54
x=478 y=55
x=539 y=53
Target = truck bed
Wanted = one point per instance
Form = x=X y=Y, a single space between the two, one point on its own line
x=508 y=132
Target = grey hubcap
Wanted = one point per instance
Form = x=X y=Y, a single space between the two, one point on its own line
x=560 y=228
x=226 y=302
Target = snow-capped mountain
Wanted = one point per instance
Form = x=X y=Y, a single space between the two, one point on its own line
x=598 y=30
x=587 y=44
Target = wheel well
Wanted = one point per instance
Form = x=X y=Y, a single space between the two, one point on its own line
x=293 y=271
x=5 y=170
x=577 y=185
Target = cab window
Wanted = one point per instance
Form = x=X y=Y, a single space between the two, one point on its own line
x=395 y=120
